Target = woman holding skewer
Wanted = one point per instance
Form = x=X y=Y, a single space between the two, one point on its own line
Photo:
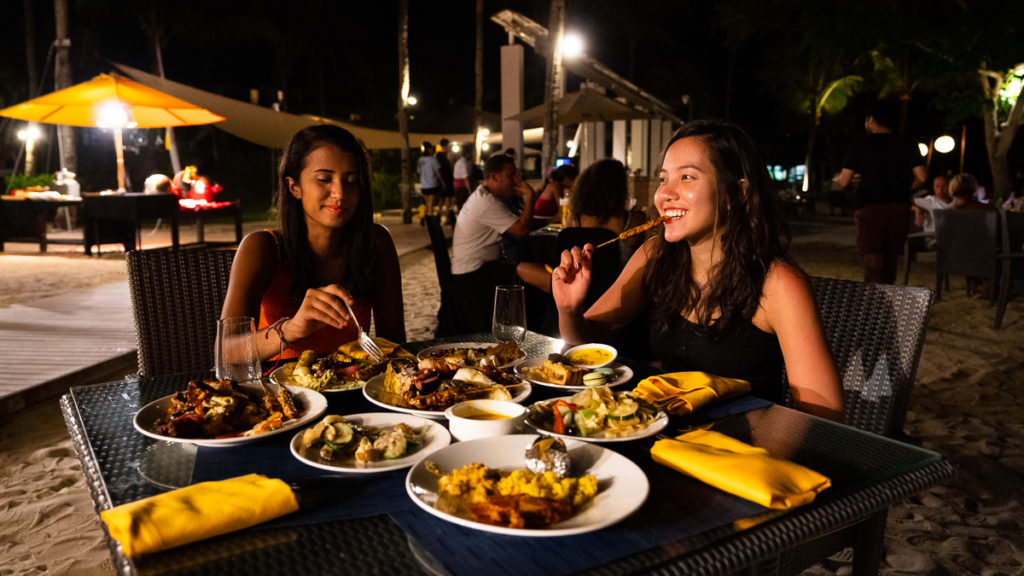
x=719 y=292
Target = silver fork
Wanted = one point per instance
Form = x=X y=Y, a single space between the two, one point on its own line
x=367 y=343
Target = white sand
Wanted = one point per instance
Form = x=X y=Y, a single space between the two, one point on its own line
x=966 y=406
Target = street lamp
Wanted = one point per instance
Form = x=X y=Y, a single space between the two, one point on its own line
x=29 y=135
x=571 y=45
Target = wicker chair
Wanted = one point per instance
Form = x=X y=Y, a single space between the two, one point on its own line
x=177 y=297
x=876 y=333
x=1011 y=259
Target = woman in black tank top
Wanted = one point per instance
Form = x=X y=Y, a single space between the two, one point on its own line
x=722 y=296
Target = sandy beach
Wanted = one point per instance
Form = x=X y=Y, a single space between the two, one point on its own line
x=966 y=405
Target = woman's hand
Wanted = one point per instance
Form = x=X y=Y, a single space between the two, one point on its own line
x=321 y=307
x=571 y=279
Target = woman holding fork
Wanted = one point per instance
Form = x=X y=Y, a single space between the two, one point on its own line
x=328 y=253
x=719 y=292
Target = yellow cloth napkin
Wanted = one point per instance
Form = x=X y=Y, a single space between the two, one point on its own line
x=740 y=469
x=197 y=512
x=681 y=393
x=354 y=350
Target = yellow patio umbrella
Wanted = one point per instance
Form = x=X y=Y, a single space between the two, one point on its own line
x=112 y=101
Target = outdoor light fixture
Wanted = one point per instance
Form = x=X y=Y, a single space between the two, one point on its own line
x=922 y=148
x=29 y=135
x=944 y=144
x=485 y=146
x=114 y=115
x=411 y=100
x=456 y=148
x=571 y=45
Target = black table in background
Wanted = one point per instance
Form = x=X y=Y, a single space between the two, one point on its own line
x=117 y=218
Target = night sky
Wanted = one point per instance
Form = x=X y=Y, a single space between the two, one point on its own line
x=339 y=59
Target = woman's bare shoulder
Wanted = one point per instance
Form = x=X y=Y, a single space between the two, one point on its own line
x=260 y=250
x=785 y=285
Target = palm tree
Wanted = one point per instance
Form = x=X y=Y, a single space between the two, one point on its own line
x=403 y=95
x=999 y=135
x=62 y=79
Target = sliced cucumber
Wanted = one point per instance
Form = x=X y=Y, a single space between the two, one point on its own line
x=338 y=433
x=626 y=410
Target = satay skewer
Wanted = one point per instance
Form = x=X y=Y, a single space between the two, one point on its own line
x=636 y=230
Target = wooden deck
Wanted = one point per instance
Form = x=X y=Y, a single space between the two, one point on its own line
x=54 y=343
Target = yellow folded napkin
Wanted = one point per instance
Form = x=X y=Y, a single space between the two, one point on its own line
x=197 y=512
x=740 y=469
x=681 y=393
x=354 y=350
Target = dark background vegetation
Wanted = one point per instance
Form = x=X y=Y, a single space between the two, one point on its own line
x=758 y=62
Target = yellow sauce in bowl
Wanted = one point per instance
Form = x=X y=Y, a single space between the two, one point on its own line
x=590 y=356
x=484 y=415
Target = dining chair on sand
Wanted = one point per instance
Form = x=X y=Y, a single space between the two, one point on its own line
x=177 y=296
x=967 y=244
x=875 y=332
x=1011 y=259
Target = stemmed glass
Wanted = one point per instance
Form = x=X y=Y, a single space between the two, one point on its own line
x=235 y=353
x=509 y=313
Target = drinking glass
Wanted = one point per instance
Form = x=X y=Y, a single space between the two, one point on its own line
x=235 y=353
x=509 y=313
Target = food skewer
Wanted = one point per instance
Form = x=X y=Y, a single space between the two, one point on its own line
x=636 y=230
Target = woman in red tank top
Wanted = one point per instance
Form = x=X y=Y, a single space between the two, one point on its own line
x=328 y=250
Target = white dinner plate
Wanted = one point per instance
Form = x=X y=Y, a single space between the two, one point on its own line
x=657 y=425
x=622 y=375
x=283 y=375
x=375 y=386
x=310 y=403
x=435 y=437
x=453 y=345
x=622 y=485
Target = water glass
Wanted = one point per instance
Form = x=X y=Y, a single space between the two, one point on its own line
x=235 y=353
x=509 y=313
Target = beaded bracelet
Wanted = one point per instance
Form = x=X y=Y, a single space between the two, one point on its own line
x=277 y=327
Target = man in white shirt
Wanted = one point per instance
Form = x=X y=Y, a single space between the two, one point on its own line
x=477 y=266
x=924 y=208
x=484 y=216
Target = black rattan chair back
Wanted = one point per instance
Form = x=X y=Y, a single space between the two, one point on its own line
x=177 y=296
x=876 y=332
x=1011 y=259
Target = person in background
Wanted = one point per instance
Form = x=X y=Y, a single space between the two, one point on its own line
x=431 y=183
x=598 y=201
x=891 y=168
x=477 y=264
x=964 y=189
x=447 y=178
x=723 y=296
x=460 y=177
x=924 y=209
x=557 y=184
x=327 y=250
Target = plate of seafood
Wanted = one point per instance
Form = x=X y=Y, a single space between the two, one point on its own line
x=347 y=368
x=406 y=386
x=554 y=373
x=503 y=355
x=220 y=413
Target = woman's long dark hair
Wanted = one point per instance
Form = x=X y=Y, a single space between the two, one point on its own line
x=754 y=235
x=601 y=191
x=358 y=255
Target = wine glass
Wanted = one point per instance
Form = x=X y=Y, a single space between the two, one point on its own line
x=235 y=353
x=509 y=313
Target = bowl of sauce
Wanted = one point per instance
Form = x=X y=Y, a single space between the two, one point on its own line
x=591 y=355
x=483 y=418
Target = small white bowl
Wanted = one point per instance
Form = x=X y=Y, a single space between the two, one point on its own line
x=483 y=418
x=598 y=355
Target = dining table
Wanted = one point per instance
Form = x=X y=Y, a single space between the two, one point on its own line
x=368 y=524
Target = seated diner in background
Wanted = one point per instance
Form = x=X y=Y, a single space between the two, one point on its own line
x=328 y=250
x=557 y=184
x=598 y=202
x=964 y=189
x=723 y=296
x=477 y=263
